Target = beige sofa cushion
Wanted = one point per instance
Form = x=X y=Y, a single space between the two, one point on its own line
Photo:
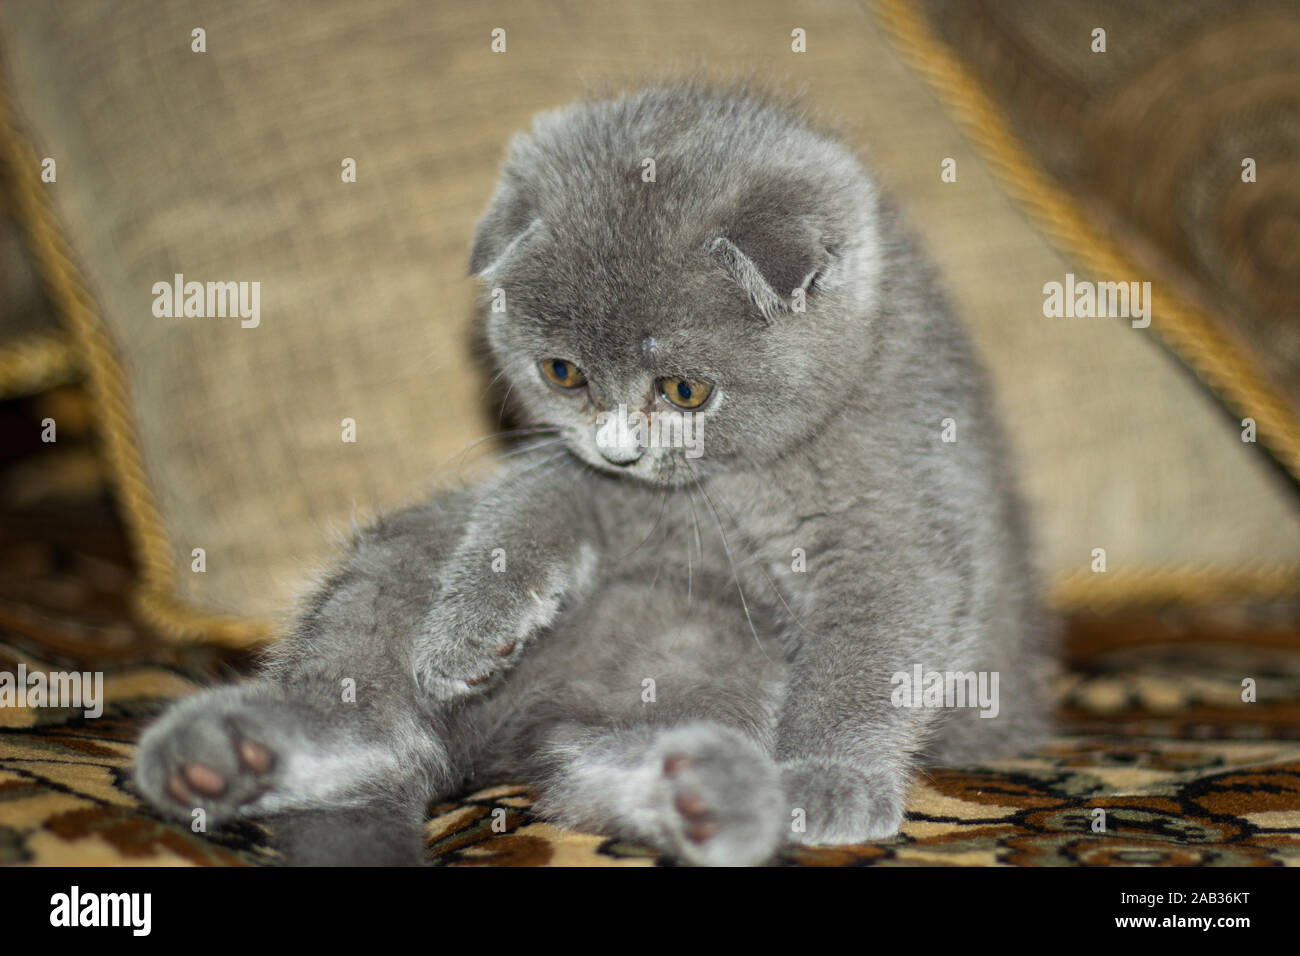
x=225 y=165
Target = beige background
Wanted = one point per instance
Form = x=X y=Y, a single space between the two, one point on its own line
x=225 y=166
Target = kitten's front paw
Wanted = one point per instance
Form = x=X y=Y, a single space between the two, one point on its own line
x=842 y=804
x=469 y=641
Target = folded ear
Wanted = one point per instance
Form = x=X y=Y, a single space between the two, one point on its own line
x=773 y=255
x=496 y=242
x=511 y=218
x=508 y=224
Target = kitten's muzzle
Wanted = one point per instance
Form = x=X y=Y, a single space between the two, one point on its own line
x=622 y=455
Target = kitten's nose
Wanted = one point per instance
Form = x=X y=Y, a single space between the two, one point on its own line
x=620 y=436
x=622 y=455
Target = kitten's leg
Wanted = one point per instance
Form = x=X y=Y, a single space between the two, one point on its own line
x=702 y=791
x=528 y=549
x=337 y=725
x=846 y=752
x=266 y=749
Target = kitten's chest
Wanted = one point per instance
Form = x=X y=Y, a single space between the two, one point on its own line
x=755 y=541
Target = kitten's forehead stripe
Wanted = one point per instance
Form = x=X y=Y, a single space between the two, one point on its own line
x=649 y=350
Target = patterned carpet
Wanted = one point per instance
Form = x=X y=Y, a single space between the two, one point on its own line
x=1154 y=729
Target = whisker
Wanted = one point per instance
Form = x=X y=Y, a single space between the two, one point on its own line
x=495 y=378
x=663 y=503
x=536 y=465
x=523 y=450
x=509 y=433
x=763 y=571
x=501 y=413
x=735 y=573
x=699 y=548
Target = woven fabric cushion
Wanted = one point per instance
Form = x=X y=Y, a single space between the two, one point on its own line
x=226 y=165
x=1182 y=132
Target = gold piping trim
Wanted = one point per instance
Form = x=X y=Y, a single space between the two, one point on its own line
x=1174 y=584
x=155 y=592
x=36 y=362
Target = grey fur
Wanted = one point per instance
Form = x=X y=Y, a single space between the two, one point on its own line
x=771 y=685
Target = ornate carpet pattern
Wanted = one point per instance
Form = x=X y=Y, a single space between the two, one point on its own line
x=1153 y=729
x=1184 y=779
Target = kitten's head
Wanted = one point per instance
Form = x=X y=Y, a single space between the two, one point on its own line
x=685 y=254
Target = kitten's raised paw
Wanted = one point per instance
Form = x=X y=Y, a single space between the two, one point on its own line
x=464 y=651
x=720 y=799
x=834 y=803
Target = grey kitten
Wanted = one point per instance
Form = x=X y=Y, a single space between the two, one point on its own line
x=706 y=652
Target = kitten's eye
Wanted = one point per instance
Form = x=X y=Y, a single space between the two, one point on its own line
x=684 y=393
x=563 y=373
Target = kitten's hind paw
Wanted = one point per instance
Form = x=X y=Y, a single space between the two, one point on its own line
x=211 y=753
x=719 y=798
x=192 y=782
